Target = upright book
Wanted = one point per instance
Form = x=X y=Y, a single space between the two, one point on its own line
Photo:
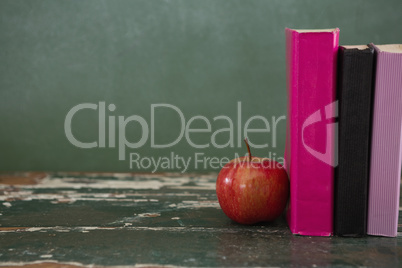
x=355 y=74
x=310 y=140
x=386 y=146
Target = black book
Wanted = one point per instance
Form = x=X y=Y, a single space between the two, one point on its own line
x=355 y=83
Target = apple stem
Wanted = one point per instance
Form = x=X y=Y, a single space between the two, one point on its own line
x=248 y=149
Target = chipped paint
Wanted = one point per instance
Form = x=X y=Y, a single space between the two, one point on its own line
x=46 y=256
x=149 y=215
x=198 y=204
x=12 y=229
x=179 y=223
x=7 y=204
x=69 y=190
x=135 y=183
x=74 y=183
x=44 y=264
x=56 y=264
x=124 y=175
x=74 y=196
x=138 y=228
x=26 y=178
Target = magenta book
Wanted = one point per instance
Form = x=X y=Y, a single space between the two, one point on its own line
x=311 y=57
x=386 y=143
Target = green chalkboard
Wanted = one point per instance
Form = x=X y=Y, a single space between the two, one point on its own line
x=212 y=65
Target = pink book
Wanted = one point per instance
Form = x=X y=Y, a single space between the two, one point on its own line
x=386 y=143
x=310 y=137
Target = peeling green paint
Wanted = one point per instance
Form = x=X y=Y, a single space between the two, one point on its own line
x=124 y=219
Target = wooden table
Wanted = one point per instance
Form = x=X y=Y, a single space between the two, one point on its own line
x=99 y=219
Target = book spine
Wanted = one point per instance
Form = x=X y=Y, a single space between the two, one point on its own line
x=386 y=146
x=355 y=71
x=309 y=156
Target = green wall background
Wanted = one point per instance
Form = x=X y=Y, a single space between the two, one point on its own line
x=200 y=56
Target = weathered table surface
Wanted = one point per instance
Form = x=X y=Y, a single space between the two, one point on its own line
x=73 y=219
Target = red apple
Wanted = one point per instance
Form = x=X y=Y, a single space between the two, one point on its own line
x=252 y=189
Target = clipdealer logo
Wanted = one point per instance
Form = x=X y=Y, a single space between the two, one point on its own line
x=108 y=122
x=330 y=156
